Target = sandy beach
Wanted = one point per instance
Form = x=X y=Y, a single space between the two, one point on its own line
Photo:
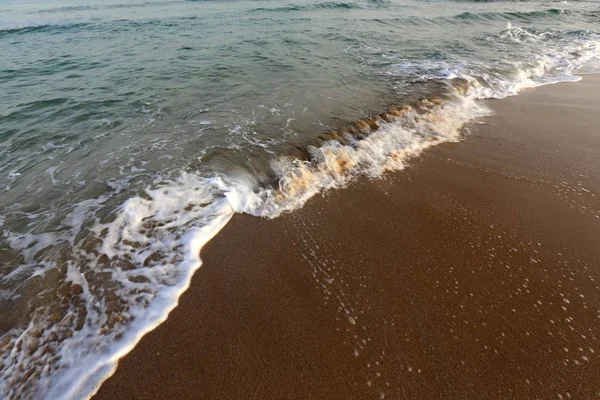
x=472 y=274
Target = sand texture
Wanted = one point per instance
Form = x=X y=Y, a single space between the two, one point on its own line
x=472 y=274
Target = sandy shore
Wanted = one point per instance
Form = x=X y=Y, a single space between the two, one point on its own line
x=473 y=274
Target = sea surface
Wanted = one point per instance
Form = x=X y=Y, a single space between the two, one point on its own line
x=132 y=131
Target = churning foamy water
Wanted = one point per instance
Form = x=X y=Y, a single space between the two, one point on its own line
x=131 y=132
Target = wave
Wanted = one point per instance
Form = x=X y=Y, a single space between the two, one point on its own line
x=312 y=7
x=496 y=16
x=67 y=9
x=544 y=57
x=64 y=27
x=107 y=6
x=467 y=17
x=487 y=17
x=41 y=27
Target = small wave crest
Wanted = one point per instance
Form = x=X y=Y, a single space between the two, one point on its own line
x=369 y=147
x=539 y=58
x=313 y=7
x=39 y=27
x=527 y=15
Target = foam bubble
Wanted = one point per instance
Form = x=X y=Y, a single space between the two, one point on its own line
x=536 y=58
x=119 y=283
x=335 y=164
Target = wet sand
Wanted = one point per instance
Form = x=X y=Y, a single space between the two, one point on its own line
x=472 y=274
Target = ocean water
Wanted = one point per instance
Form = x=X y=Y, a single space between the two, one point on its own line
x=131 y=132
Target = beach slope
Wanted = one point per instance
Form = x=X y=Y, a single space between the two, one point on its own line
x=472 y=274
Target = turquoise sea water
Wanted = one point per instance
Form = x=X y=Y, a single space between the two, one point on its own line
x=130 y=132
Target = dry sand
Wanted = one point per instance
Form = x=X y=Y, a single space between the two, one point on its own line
x=473 y=274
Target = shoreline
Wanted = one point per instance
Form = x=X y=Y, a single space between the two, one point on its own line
x=438 y=280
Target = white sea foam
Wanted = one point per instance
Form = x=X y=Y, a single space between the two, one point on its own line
x=333 y=165
x=177 y=243
x=159 y=237
x=548 y=57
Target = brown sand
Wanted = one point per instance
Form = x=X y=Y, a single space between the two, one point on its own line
x=473 y=274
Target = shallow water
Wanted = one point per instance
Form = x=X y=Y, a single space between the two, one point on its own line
x=131 y=132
